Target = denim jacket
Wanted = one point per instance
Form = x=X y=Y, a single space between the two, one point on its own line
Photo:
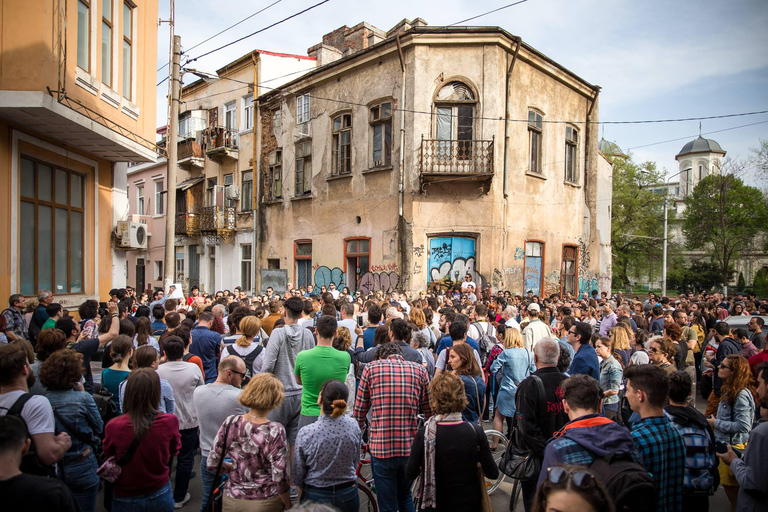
x=79 y=411
x=734 y=423
x=610 y=379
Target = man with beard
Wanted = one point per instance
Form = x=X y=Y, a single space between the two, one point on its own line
x=750 y=471
x=15 y=379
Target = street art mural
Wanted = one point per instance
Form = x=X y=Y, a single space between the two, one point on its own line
x=324 y=276
x=587 y=284
x=450 y=259
x=379 y=281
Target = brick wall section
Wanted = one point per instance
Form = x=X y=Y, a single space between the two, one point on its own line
x=348 y=40
x=268 y=140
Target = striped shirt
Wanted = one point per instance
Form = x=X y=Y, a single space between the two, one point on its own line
x=393 y=390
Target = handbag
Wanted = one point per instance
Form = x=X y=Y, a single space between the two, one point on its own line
x=518 y=462
x=216 y=497
x=485 y=499
x=110 y=470
x=106 y=405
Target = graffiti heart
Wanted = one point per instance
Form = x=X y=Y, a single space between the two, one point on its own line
x=324 y=276
x=381 y=281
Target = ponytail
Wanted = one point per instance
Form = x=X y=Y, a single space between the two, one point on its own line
x=339 y=408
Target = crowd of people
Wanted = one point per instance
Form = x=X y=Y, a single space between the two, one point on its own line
x=279 y=392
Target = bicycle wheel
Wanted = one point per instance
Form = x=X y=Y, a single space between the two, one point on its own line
x=366 y=473
x=516 y=490
x=493 y=484
x=367 y=498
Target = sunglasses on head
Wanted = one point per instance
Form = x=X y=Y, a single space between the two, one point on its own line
x=560 y=476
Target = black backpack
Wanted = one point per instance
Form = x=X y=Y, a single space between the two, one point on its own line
x=485 y=340
x=30 y=462
x=629 y=484
x=249 y=359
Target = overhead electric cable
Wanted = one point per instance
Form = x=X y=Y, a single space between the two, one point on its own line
x=487 y=13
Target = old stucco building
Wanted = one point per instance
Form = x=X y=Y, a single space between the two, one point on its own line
x=415 y=156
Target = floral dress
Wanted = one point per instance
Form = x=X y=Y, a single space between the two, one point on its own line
x=259 y=456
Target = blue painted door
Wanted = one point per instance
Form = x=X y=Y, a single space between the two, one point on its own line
x=533 y=267
x=450 y=258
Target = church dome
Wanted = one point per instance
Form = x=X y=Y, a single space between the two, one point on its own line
x=609 y=148
x=701 y=145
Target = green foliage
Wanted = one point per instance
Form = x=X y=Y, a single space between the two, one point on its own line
x=723 y=216
x=637 y=219
x=760 y=283
x=698 y=276
x=742 y=284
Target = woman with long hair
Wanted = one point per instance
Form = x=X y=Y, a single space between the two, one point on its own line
x=572 y=488
x=447 y=450
x=258 y=448
x=516 y=361
x=328 y=476
x=417 y=317
x=248 y=346
x=152 y=437
x=611 y=373
x=621 y=338
x=75 y=413
x=144 y=334
x=121 y=350
x=735 y=414
x=464 y=364
x=147 y=357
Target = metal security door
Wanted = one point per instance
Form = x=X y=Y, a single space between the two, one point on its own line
x=533 y=267
x=194 y=267
x=140 y=282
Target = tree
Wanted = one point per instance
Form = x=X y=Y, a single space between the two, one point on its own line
x=723 y=216
x=637 y=218
x=697 y=276
x=759 y=158
x=760 y=283
x=742 y=283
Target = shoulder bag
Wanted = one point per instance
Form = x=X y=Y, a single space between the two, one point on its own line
x=111 y=469
x=216 y=497
x=517 y=461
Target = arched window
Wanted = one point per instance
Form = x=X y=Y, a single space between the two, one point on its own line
x=455 y=106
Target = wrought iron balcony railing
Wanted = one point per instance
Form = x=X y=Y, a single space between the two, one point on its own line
x=189 y=149
x=217 y=218
x=456 y=157
x=187 y=224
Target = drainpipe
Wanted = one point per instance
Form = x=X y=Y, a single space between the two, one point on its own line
x=255 y=200
x=401 y=188
x=507 y=116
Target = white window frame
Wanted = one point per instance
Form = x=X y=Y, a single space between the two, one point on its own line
x=303 y=162
x=140 y=203
x=159 y=205
x=247 y=113
x=89 y=31
x=275 y=168
x=341 y=160
x=378 y=118
x=131 y=96
x=230 y=108
x=302 y=108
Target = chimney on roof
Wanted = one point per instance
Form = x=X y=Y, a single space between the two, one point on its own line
x=405 y=25
x=345 y=41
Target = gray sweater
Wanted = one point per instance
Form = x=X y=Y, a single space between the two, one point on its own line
x=751 y=472
x=214 y=404
x=280 y=355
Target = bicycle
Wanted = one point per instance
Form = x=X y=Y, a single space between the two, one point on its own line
x=501 y=447
x=365 y=486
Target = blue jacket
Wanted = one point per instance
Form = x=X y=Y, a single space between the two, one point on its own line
x=585 y=361
x=206 y=345
x=584 y=439
x=79 y=411
x=447 y=341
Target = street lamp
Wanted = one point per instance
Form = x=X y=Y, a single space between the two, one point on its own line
x=664 y=257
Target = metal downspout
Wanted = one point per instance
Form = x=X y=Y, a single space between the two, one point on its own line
x=507 y=116
x=402 y=128
x=255 y=200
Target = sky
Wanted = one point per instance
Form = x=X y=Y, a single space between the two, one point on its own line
x=652 y=59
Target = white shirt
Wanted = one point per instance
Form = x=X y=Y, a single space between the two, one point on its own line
x=350 y=324
x=37 y=412
x=465 y=285
x=335 y=294
x=512 y=323
x=473 y=333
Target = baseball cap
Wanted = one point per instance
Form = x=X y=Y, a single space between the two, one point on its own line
x=534 y=307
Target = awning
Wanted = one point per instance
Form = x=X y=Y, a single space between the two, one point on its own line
x=191 y=182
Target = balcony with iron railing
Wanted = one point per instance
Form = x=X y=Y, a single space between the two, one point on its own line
x=190 y=155
x=188 y=224
x=221 y=143
x=470 y=159
x=218 y=222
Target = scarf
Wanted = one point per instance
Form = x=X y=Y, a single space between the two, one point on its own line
x=429 y=495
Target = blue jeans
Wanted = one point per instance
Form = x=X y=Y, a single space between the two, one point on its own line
x=208 y=477
x=185 y=462
x=80 y=476
x=158 y=501
x=393 y=489
x=346 y=500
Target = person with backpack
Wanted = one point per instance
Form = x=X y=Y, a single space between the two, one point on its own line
x=600 y=444
x=22 y=491
x=214 y=403
x=658 y=443
x=76 y=414
x=701 y=472
x=184 y=378
x=147 y=357
x=248 y=346
x=35 y=411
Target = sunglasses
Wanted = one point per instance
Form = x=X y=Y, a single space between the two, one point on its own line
x=653 y=349
x=581 y=479
x=725 y=366
x=241 y=374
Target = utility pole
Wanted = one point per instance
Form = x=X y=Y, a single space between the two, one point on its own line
x=171 y=146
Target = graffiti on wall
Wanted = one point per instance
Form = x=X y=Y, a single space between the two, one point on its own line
x=587 y=283
x=584 y=257
x=387 y=267
x=324 y=276
x=519 y=253
x=454 y=270
x=418 y=251
x=379 y=281
x=532 y=278
x=497 y=280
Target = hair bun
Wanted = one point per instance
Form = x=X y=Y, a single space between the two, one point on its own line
x=339 y=407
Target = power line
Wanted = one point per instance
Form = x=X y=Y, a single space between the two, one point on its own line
x=691 y=136
x=259 y=31
x=228 y=28
x=486 y=13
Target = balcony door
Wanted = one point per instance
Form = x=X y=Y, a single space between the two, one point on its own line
x=455 y=111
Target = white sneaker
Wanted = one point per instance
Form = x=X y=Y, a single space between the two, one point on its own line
x=294 y=492
x=183 y=502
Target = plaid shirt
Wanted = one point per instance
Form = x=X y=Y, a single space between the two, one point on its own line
x=393 y=389
x=661 y=450
x=14 y=321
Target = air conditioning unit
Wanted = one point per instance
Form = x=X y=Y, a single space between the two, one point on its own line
x=131 y=235
x=232 y=192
